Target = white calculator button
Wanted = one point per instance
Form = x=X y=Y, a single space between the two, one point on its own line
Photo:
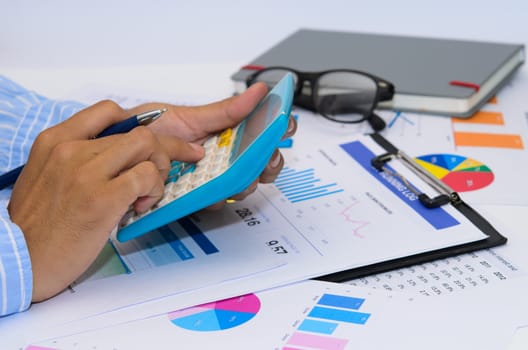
x=185 y=179
x=211 y=142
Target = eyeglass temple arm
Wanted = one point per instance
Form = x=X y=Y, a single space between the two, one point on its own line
x=386 y=91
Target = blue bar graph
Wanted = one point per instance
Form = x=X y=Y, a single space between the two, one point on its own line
x=162 y=247
x=198 y=236
x=166 y=245
x=302 y=185
x=341 y=301
x=319 y=328
x=339 y=315
x=315 y=326
x=175 y=243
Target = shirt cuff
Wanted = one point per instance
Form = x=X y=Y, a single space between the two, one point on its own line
x=16 y=277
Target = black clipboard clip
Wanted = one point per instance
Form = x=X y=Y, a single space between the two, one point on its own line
x=446 y=194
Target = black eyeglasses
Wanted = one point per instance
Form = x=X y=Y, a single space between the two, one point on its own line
x=341 y=95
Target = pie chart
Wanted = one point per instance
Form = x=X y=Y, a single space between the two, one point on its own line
x=460 y=173
x=218 y=315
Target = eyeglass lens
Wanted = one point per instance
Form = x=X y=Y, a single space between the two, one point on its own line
x=341 y=96
x=345 y=96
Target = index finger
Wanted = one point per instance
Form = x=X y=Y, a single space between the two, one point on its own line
x=89 y=122
x=121 y=152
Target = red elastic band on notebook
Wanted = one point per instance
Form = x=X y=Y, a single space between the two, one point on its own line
x=253 y=67
x=466 y=84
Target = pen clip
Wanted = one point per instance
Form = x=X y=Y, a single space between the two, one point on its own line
x=446 y=194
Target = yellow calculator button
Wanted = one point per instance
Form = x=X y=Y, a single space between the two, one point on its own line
x=224 y=139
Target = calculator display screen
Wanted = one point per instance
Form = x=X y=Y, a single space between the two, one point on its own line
x=261 y=117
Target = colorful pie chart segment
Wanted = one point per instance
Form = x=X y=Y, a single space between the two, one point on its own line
x=217 y=316
x=460 y=173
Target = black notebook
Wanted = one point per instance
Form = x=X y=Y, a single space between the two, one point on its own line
x=436 y=76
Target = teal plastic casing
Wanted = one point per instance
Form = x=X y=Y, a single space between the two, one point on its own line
x=262 y=131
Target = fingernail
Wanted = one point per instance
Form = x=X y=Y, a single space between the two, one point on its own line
x=197 y=147
x=252 y=188
x=276 y=159
x=291 y=125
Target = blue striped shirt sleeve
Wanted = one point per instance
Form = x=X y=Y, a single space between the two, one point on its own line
x=23 y=115
x=15 y=266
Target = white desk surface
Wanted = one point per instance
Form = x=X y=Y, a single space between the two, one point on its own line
x=39 y=39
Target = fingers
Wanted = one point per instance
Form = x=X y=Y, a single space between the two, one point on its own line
x=181 y=150
x=140 y=185
x=221 y=112
x=249 y=190
x=89 y=122
x=276 y=163
x=195 y=123
x=273 y=168
x=240 y=106
x=229 y=112
x=139 y=161
x=82 y=126
x=140 y=144
x=292 y=127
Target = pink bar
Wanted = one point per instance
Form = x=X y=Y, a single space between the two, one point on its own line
x=33 y=347
x=317 y=341
x=288 y=348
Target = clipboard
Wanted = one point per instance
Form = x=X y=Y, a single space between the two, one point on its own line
x=446 y=196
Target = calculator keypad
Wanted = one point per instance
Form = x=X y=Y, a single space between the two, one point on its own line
x=184 y=177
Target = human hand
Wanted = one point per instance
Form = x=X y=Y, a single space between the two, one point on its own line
x=196 y=124
x=74 y=190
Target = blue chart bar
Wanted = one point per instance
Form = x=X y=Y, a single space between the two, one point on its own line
x=162 y=247
x=341 y=301
x=339 y=315
x=302 y=185
x=315 y=326
x=198 y=236
x=174 y=242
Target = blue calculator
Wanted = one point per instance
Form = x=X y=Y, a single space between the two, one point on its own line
x=233 y=160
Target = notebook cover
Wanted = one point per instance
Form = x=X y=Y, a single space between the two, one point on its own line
x=415 y=65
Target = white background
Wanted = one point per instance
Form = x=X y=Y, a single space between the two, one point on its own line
x=108 y=32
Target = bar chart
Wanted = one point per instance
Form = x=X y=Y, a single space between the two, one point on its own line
x=179 y=241
x=167 y=245
x=331 y=312
x=496 y=137
x=303 y=185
